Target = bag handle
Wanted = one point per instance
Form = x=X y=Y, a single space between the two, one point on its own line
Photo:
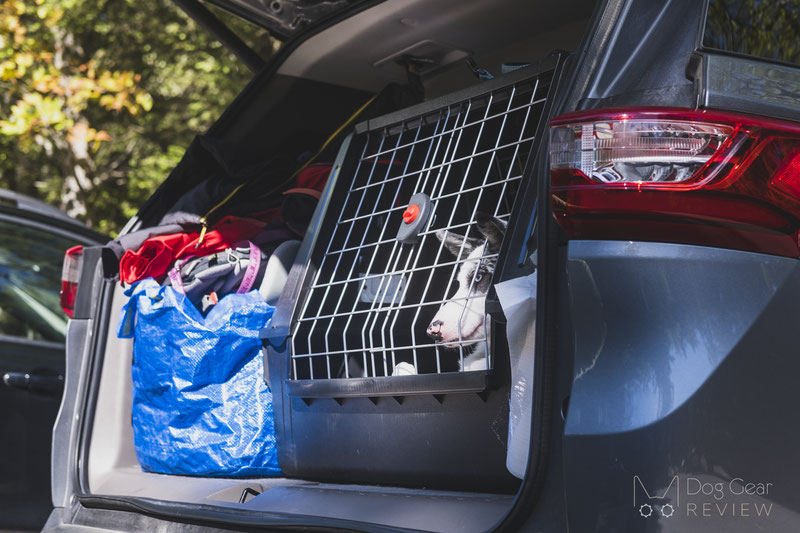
x=251 y=273
x=175 y=274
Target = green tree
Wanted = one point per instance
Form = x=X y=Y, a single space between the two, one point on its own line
x=100 y=99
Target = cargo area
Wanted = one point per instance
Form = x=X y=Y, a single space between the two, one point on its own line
x=383 y=414
x=113 y=470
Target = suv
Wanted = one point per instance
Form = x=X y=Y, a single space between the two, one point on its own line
x=558 y=299
x=33 y=238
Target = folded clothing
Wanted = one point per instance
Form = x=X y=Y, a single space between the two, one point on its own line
x=155 y=257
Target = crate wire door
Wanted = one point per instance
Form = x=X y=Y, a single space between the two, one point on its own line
x=369 y=304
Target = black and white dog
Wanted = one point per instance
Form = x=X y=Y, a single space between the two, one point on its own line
x=460 y=321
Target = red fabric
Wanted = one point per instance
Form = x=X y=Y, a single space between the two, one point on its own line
x=309 y=192
x=316 y=176
x=158 y=253
x=267 y=215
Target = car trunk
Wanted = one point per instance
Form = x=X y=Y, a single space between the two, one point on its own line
x=357 y=441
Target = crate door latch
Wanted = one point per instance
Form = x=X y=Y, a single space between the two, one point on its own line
x=415 y=218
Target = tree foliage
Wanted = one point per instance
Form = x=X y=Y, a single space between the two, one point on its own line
x=100 y=99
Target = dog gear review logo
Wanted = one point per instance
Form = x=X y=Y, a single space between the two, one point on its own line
x=703 y=499
x=658 y=502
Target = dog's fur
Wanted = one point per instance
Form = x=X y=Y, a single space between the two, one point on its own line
x=461 y=321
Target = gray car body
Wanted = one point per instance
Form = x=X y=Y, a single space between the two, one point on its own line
x=657 y=360
x=31 y=371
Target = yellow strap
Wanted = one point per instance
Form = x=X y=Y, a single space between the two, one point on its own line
x=223 y=202
x=202 y=234
x=330 y=139
x=324 y=145
x=343 y=126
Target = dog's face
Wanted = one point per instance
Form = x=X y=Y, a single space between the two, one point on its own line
x=461 y=320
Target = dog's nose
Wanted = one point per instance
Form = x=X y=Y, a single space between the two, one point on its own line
x=435 y=330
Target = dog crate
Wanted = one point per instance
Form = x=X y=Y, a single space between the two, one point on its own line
x=384 y=363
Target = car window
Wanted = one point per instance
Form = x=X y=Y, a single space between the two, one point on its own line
x=30 y=280
x=762 y=28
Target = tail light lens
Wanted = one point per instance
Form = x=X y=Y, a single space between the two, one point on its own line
x=676 y=175
x=70 y=276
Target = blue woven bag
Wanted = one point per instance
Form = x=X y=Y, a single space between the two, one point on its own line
x=200 y=404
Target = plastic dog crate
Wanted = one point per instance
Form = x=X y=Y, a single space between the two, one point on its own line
x=363 y=391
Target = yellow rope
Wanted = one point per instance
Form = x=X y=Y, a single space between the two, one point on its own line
x=324 y=145
x=343 y=126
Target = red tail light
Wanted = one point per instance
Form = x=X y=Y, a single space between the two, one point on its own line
x=677 y=175
x=70 y=276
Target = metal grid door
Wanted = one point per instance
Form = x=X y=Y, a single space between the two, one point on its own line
x=370 y=307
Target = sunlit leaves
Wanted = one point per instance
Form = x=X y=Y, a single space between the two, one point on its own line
x=114 y=88
x=52 y=87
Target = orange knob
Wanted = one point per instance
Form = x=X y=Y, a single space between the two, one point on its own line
x=410 y=214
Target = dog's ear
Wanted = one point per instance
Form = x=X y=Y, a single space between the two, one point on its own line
x=493 y=229
x=453 y=241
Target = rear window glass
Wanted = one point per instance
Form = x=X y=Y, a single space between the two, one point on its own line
x=30 y=279
x=761 y=28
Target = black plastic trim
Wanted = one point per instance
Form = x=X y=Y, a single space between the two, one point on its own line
x=528 y=202
x=641 y=57
x=735 y=81
x=84 y=299
x=392 y=386
x=468 y=93
x=592 y=51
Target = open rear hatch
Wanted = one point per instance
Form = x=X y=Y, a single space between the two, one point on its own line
x=284 y=18
x=382 y=415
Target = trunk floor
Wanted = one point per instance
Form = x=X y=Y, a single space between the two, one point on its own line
x=422 y=509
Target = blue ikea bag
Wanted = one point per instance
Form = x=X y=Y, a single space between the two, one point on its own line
x=200 y=403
